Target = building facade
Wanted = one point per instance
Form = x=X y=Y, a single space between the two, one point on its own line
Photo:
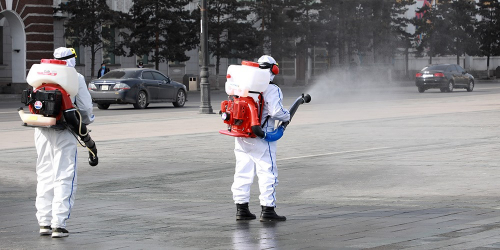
x=32 y=29
x=27 y=35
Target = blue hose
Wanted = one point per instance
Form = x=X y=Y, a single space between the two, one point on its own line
x=278 y=133
x=275 y=135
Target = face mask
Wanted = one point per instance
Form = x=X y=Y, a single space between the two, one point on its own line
x=71 y=62
x=103 y=67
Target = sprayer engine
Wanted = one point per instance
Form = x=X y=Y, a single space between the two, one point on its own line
x=240 y=114
x=48 y=100
x=243 y=119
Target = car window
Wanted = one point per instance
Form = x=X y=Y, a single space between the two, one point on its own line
x=159 y=76
x=437 y=67
x=147 y=75
x=460 y=69
x=450 y=68
x=119 y=74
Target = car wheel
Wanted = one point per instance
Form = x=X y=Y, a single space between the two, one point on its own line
x=142 y=100
x=103 y=105
x=421 y=90
x=471 y=86
x=180 y=100
x=450 y=87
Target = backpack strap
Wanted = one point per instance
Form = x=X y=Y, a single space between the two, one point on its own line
x=261 y=106
x=264 y=123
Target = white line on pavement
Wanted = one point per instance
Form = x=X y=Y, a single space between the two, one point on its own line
x=333 y=153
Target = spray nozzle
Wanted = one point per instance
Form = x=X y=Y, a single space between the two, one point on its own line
x=307 y=98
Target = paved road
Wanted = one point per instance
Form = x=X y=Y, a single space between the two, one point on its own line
x=361 y=167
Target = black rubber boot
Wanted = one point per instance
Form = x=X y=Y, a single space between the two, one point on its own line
x=268 y=214
x=243 y=212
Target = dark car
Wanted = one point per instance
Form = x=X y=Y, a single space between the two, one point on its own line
x=445 y=77
x=137 y=86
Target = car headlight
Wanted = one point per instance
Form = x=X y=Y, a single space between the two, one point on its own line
x=121 y=86
x=92 y=87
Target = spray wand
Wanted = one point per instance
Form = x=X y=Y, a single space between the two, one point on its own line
x=278 y=132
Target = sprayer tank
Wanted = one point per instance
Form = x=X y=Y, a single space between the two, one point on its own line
x=54 y=71
x=241 y=79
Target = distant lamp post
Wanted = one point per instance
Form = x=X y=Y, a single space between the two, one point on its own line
x=490 y=9
x=205 y=106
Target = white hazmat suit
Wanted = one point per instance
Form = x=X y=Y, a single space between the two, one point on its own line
x=56 y=165
x=257 y=156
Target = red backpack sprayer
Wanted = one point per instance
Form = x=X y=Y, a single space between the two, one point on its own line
x=50 y=104
x=243 y=111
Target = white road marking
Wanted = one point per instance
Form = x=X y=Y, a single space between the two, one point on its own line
x=333 y=153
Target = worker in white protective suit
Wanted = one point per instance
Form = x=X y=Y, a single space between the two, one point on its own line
x=258 y=156
x=56 y=166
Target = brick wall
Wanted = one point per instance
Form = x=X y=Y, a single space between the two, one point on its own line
x=37 y=16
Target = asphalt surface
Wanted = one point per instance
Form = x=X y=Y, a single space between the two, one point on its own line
x=363 y=166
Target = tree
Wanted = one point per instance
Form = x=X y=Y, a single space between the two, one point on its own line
x=351 y=37
x=350 y=28
x=488 y=29
x=329 y=22
x=231 y=34
x=360 y=27
x=427 y=23
x=163 y=27
x=365 y=27
x=458 y=26
x=346 y=28
x=447 y=28
x=276 y=28
x=304 y=16
x=84 y=26
x=388 y=25
x=399 y=23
